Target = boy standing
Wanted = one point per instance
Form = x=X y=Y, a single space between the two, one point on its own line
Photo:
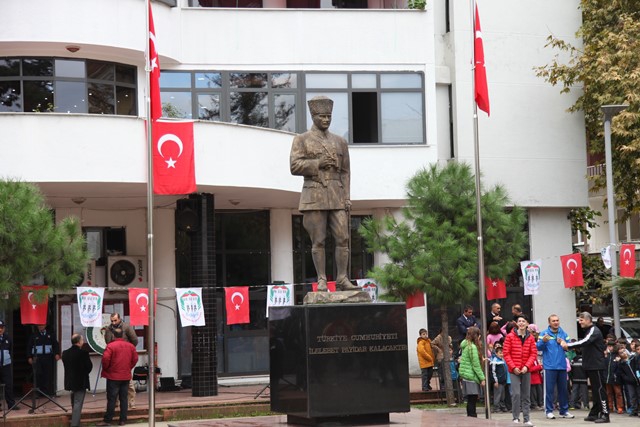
x=426 y=359
x=499 y=375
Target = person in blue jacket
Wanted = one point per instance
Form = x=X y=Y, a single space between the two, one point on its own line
x=550 y=343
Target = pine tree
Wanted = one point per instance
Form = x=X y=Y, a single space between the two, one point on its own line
x=434 y=248
x=32 y=245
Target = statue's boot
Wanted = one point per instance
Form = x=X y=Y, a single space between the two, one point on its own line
x=319 y=263
x=342 y=261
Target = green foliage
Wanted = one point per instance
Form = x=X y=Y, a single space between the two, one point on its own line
x=32 y=245
x=596 y=288
x=629 y=293
x=434 y=249
x=582 y=220
x=607 y=70
x=417 y=4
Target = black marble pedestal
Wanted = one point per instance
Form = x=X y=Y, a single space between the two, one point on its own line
x=343 y=363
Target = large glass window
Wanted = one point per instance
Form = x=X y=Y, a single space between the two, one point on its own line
x=306 y=4
x=61 y=85
x=373 y=108
x=255 y=99
x=369 y=108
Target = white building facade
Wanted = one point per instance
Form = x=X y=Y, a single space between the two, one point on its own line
x=72 y=109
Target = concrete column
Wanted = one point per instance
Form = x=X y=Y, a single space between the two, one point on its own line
x=550 y=237
x=281 y=245
x=164 y=268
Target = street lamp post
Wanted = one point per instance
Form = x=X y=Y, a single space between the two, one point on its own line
x=609 y=112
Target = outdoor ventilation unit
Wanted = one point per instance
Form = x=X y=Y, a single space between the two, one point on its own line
x=125 y=272
x=89 y=277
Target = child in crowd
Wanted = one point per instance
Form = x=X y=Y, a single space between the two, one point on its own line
x=537 y=392
x=499 y=374
x=579 y=391
x=425 y=359
x=629 y=381
x=455 y=377
x=614 y=390
x=494 y=336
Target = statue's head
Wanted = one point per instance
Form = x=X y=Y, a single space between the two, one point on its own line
x=320 y=108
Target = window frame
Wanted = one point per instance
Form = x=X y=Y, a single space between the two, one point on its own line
x=299 y=93
x=114 y=83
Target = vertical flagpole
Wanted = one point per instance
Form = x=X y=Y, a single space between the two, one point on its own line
x=151 y=340
x=476 y=155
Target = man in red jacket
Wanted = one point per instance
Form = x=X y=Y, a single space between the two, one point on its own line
x=119 y=358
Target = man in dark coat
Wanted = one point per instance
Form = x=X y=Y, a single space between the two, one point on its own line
x=495 y=316
x=43 y=352
x=593 y=363
x=466 y=321
x=77 y=365
x=6 y=367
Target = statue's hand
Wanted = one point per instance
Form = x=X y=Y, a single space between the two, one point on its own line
x=347 y=205
x=326 y=162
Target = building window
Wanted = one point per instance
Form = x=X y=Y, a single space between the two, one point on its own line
x=629 y=230
x=242 y=239
x=369 y=108
x=303 y=269
x=61 y=85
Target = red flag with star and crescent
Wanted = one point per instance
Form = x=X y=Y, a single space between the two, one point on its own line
x=479 y=69
x=572 y=270
x=34 y=303
x=173 y=157
x=628 y=260
x=154 y=75
x=139 y=306
x=173 y=160
x=237 y=304
x=495 y=288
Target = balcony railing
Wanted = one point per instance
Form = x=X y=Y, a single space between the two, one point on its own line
x=595 y=170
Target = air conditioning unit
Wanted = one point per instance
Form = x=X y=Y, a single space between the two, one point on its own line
x=124 y=272
x=90 y=278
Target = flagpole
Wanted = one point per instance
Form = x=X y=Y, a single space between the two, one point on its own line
x=151 y=340
x=476 y=156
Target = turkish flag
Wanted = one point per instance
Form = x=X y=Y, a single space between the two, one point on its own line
x=416 y=300
x=495 y=288
x=628 y=260
x=34 y=302
x=479 y=69
x=154 y=75
x=237 y=304
x=572 y=270
x=139 y=306
x=173 y=161
x=331 y=286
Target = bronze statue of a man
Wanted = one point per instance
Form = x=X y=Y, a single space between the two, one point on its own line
x=323 y=159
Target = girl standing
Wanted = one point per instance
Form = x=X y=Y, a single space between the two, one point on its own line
x=520 y=353
x=471 y=369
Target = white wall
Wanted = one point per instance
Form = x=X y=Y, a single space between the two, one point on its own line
x=531 y=144
x=164 y=275
x=110 y=149
x=281 y=245
x=550 y=237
